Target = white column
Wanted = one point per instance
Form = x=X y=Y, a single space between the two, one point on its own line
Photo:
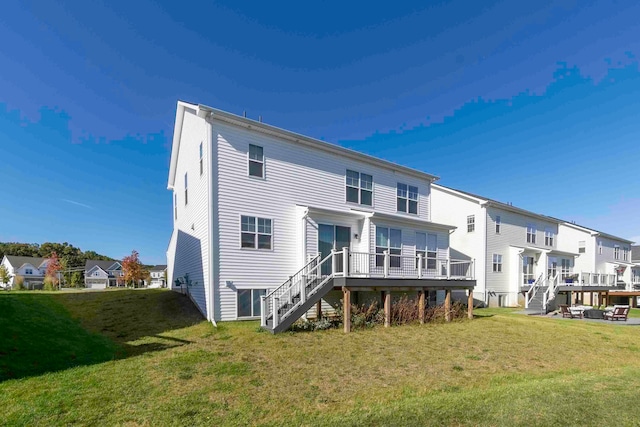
x=419 y=266
x=386 y=263
x=345 y=261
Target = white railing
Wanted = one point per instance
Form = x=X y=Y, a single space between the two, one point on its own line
x=533 y=290
x=366 y=264
x=590 y=279
x=550 y=293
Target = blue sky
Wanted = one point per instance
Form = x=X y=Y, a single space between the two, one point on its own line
x=534 y=104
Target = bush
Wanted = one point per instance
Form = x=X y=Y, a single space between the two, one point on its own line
x=18 y=283
x=49 y=284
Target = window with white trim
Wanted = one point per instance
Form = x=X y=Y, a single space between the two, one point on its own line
x=28 y=271
x=407 y=198
x=625 y=254
x=256 y=161
x=426 y=245
x=616 y=252
x=498 y=224
x=548 y=237
x=582 y=246
x=256 y=233
x=359 y=188
x=250 y=302
x=531 y=233
x=600 y=247
x=471 y=223
x=201 y=165
x=565 y=268
x=388 y=239
x=186 y=192
x=497 y=263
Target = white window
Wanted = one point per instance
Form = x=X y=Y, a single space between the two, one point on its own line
x=186 y=193
x=548 y=237
x=552 y=267
x=256 y=233
x=388 y=239
x=616 y=252
x=531 y=233
x=249 y=302
x=175 y=206
x=256 y=161
x=582 y=247
x=28 y=271
x=625 y=254
x=600 y=247
x=96 y=273
x=426 y=245
x=565 y=268
x=359 y=188
x=471 y=223
x=201 y=167
x=497 y=263
x=498 y=224
x=407 y=198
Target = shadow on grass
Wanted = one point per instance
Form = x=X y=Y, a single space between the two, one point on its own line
x=46 y=332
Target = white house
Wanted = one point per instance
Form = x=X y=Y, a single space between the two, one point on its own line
x=635 y=270
x=157 y=273
x=523 y=251
x=263 y=212
x=32 y=269
x=102 y=274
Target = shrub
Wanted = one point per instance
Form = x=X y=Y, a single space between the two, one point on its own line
x=18 y=283
x=49 y=284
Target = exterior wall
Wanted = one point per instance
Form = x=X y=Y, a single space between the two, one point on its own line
x=452 y=208
x=568 y=241
x=509 y=243
x=606 y=262
x=188 y=252
x=295 y=175
x=10 y=269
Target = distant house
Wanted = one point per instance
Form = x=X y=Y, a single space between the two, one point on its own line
x=158 y=276
x=102 y=274
x=635 y=270
x=32 y=269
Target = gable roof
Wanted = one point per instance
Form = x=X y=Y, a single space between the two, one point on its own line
x=159 y=267
x=19 y=261
x=104 y=265
x=204 y=111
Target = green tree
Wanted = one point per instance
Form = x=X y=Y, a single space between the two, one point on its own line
x=4 y=275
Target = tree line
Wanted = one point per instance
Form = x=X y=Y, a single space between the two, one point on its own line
x=68 y=254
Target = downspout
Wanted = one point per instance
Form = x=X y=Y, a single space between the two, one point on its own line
x=211 y=312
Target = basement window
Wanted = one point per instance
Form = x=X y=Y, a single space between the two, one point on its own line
x=249 y=302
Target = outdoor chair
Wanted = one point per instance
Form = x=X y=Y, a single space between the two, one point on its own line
x=569 y=312
x=620 y=312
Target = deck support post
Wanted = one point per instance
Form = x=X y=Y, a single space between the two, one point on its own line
x=319 y=310
x=421 y=304
x=470 y=304
x=387 y=309
x=447 y=305
x=303 y=289
x=346 y=309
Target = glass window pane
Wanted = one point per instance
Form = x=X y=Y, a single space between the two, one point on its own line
x=413 y=193
x=201 y=150
x=432 y=242
x=401 y=204
x=366 y=181
x=382 y=236
x=396 y=238
x=353 y=178
x=248 y=240
x=255 y=169
x=264 y=225
x=244 y=302
x=255 y=152
x=264 y=241
x=421 y=241
x=248 y=223
x=402 y=190
x=257 y=301
x=352 y=195
x=367 y=197
x=413 y=207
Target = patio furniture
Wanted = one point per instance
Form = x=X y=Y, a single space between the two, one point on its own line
x=571 y=312
x=594 y=313
x=620 y=312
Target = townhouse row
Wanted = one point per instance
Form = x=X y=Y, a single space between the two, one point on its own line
x=268 y=224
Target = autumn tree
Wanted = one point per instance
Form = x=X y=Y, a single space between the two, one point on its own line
x=53 y=267
x=4 y=275
x=132 y=269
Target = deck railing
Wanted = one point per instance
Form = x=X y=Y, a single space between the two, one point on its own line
x=385 y=264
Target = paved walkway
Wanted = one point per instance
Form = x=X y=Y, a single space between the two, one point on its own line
x=631 y=321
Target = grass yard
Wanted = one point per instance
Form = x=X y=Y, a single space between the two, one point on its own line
x=145 y=357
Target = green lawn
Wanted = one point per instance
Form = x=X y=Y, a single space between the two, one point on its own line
x=145 y=357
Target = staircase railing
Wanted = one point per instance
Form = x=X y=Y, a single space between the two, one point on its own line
x=268 y=301
x=531 y=293
x=550 y=293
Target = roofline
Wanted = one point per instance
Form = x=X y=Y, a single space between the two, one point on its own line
x=459 y=193
x=595 y=233
x=204 y=111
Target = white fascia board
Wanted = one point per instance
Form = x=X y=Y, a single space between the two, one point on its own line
x=460 y=194
x=175 y=145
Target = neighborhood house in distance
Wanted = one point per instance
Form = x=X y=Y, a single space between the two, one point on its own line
x=103 y=274
x=157 y=274
x=269 y=223
x=33 y=270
